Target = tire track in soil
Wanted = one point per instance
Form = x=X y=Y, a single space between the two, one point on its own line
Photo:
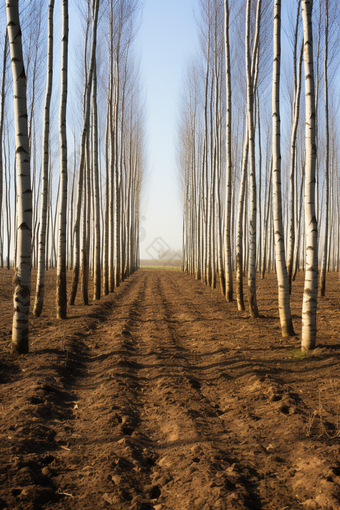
x=95 y=447
x=234 y=483
x=239 y=418
x=63 y=441
x=162 y=441
x=167 y=423
x=257 y=482
x=142 y=424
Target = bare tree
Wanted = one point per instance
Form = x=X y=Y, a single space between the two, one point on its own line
x=39 y=297
x=24 y=193
x=61 y=268
x=311 y=230
x=281 y=268
x=84 y=137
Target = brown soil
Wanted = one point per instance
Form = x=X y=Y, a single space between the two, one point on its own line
x=163 y=396
x=175 y=262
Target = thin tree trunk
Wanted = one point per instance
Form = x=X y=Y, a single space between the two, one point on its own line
x=269 y=199
x=239 y=240
x=106 y=223
x=311 y=273
x=324 y=253
x=295 y=120
x=282 y=277
x=297 y=248
x=3 y=98
x=39 y=297
x=96 y=190
x=228 y=254
x=253 y=310
x=75 y=277
x=22 y=291
x=61 y=265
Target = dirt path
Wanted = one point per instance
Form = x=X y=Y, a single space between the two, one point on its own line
x=163 y=396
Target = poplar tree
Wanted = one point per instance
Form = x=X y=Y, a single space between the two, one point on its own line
x=84 y=137
x=22 y=280
x=311 y=228
x=39 y=297
x=281 y=268
x=325 y=240
x=228 y=254
x=61 y=267
x=253 y=310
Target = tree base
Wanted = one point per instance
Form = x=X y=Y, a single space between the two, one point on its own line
x=61 y=312
x=20 y=347
x=287 y=329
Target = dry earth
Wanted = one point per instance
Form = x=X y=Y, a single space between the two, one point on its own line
x=163 y=396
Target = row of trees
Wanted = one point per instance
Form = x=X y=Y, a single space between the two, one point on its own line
x=248 y=186
x=91 y=221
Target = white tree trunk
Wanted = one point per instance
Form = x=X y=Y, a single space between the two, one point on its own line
x=282 y=276
x=106 y=222
x=22 y=291
x=295 y=120
x=239 y=238
x=75 y=278
x=39 y=297
x=96 y=189
x=228 y=254
x=253 y=310
x=311 y=231
x=3 y=98
x=325 y=242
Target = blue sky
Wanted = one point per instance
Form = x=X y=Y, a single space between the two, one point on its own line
x=166 y=39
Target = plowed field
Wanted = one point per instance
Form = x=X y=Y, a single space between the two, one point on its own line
x=163 y=396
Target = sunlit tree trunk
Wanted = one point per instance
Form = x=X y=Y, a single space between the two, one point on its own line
x=282 y=277
x=295 y=120
x=22 y=291
x=84 y=249
x=253 y=310
x=8 y=204
x=205 y=166
x=117 y=177
x=112 y=86
x=75 y=277
x=228 y=254
x=267 y=223
x=106 y=222
x=39 y=297
x=311 y=231
x=239 y=238
x=96 y=189
x=325 y=242
x=3 y=98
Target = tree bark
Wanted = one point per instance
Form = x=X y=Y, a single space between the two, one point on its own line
x=3 y=99
x=39 y=297
x=75 y=277
x=61 y=265
x=22 y=279
x=295 y=120
x=97 y=280
x=311 y=230
x=228 y=254
x=325 y=241
x=253 y=310
x=282 y=277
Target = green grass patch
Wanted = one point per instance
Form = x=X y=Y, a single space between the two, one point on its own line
x=296 y=355
x=166 y=268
